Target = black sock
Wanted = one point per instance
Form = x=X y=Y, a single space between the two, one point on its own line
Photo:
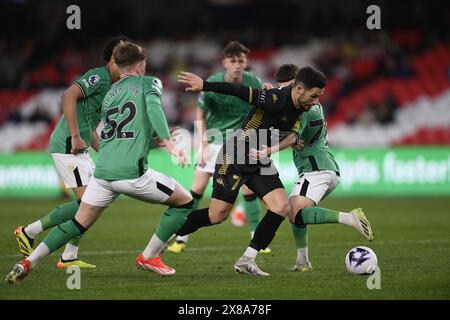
x=250 y=197
x=265 y=232
x=195 y=220
x=298 y=220
x=196 y=195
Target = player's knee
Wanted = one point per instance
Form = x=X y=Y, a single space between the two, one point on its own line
x=187 y=205
x=291 y=217
x=282 y=208
x=293 y=214
x=218 y=216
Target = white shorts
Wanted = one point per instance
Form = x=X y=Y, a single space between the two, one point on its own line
x=152 y=186
x=210 y=163
x=315 y=185
x=74 y=169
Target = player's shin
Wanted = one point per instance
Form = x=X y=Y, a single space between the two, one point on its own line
x=251 y=208
x=316 y=215
x=195 y=220
x=300 y=236
x=301 y=243
x=264 y=233
x=172 y=220
x=62 y=233
x=197 y=198
x=55 y=239
x=60 y=214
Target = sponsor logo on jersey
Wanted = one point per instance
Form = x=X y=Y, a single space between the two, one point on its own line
x=94 y=79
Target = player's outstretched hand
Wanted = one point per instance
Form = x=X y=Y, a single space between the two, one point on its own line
x=182 y=158
x=260 y=154
x=174 y=134
x=78 y=145
x=299 y=145
x=267 y=85
x=177 y=152
x=194 y=81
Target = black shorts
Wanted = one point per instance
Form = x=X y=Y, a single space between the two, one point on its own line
x=228 y=180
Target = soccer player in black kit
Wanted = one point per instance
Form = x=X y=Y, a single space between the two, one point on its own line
x=275 y=113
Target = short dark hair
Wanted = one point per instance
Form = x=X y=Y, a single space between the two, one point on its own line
x=235 y=48
x=110 y=45
x=127 y=53
x=310 y=78
x=286 y=73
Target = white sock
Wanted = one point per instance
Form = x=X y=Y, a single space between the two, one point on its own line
x=70 y=252
x=41 y=251
x=250 y=252
x=346 y=218
x=154 y=247
x=183 y=239
x=302 y=254
x=252 y=233
x=34 y=229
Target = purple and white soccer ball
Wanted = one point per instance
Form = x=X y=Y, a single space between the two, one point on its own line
x=361 y=260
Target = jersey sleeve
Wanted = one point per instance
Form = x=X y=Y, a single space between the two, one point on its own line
x=153 y=85
x=204 y=100
x=156 y=116
x=267 y=99
x=89 y=83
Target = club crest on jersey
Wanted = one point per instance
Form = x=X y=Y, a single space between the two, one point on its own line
x=94 y=79
x=274 y=97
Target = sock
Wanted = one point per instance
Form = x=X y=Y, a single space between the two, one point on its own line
x=33 y=230
x=38 y=253
x=197 y=197
x=183 y=239
x=302 y=255
x=62 y=234
x=154 y=247
x=300 y=235
x=347 y=219
x=265 y=232
x=316 y=215
x=172 y=220
x=70 y=252
x=195 y=220
x=251 y=208
x=60 y=214
x=251 y=253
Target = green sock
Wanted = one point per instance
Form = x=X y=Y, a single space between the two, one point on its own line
x=251 y=208
x=171 y=221
x=197 y=198
x=76 y=241
x=61 y=234
x=60 y=214
x=317 y=215
x=300 y=235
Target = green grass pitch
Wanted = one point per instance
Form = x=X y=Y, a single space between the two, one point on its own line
x=412 y=242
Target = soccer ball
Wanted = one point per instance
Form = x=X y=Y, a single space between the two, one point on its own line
x=361 y=260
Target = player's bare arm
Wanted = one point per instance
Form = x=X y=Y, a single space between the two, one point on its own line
x=194 y=81
x=69 y=108
x=290 y=141
x=95 y=138
x=202 y=127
